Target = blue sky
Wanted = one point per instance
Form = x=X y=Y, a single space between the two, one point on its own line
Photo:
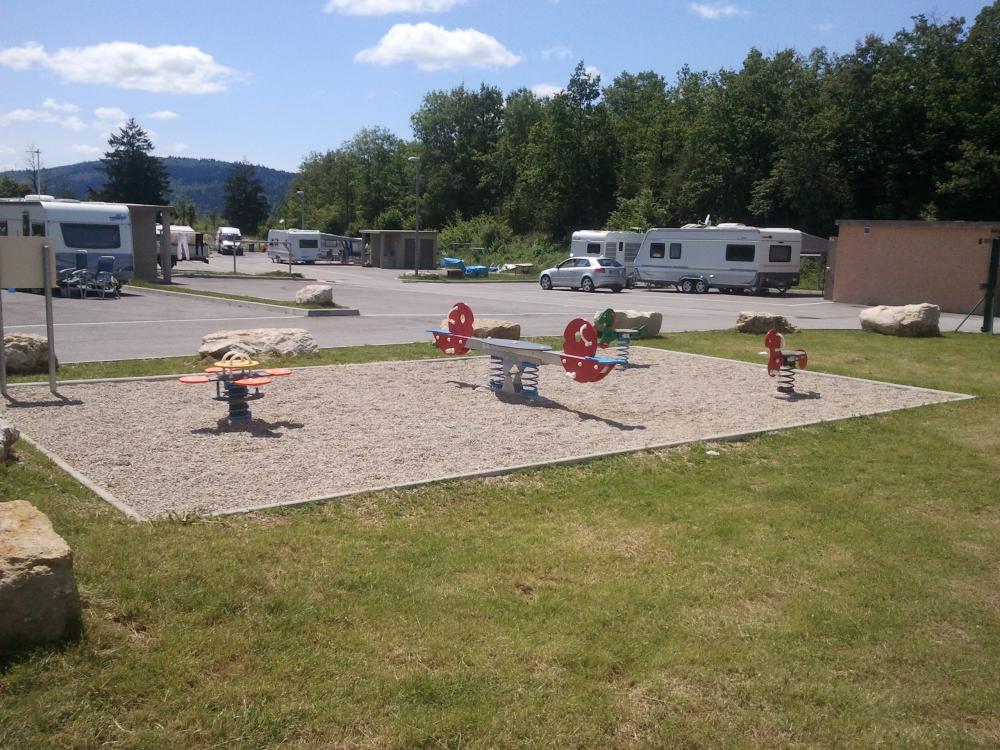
x=271 y=82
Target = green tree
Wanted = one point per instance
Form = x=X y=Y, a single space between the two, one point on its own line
x=134 y=175
x=246 y=205
x=11 y=188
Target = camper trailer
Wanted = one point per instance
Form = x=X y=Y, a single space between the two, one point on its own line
x=80 y=232
x=729 y=257
x=310 y=245
x=184 y=243
x=617 y=245
x=228 y=241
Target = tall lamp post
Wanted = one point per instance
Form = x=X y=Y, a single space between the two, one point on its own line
x=415 y=160
x=302 y=195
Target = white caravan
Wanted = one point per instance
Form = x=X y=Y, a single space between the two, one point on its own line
x=728 y=257
x=617 y=245
x=81 y=232
x=310 y=245
x=228 y=241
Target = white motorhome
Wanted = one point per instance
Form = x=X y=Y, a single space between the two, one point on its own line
x=228 y=241
x=729 y=257
x=80 y=231
x=310 y=245
x=618 y=245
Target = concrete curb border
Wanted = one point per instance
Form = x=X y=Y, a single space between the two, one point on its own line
x=300 y=312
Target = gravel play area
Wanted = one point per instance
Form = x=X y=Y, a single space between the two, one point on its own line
x=159 y=447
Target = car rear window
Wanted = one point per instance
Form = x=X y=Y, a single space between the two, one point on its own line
x=607 y=262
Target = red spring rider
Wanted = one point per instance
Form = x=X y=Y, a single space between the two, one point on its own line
x=783 y=362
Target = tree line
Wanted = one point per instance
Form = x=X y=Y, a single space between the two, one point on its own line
x=899 y=128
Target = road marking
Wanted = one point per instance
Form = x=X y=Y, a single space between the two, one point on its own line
x=143 y=322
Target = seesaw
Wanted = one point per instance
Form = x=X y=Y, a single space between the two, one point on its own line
x=514 y=364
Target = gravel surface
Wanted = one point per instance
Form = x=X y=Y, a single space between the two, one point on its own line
x=160 y=446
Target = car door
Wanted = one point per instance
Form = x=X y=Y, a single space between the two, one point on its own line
x=562 y=274
x=580 y=269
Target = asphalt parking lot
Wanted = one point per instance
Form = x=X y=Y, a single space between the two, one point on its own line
x=146 y=324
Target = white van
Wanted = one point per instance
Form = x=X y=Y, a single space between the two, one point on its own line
x=80 y=231
x=228 y=241
x=617 y=245
x=729 y=257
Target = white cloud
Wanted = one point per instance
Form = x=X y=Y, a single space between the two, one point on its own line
x=435 y=48
x=592 y=71
x=546 y=90
x=43 y=116
x=714 y=11
x=6 y=150
x=559 y=52
x=110 y=114
x=86 y=150
x=385 y=7
x=164 y=69
x=180 y=148
x=163 y=114
x=55 y=106
x=825 y=27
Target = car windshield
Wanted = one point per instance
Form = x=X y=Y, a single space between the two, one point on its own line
x=608 y=263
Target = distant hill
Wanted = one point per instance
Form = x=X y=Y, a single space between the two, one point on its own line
x=201 y=181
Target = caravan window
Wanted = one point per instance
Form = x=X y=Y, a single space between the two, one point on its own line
x=38 y=229
x=3 y=228
x=91 y=236
x=780 y=254
x=675 y=251
x=740 y=253
x=309 y=244
x=593 y=248
x=657 y=249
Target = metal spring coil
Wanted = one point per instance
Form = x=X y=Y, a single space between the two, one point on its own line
x=496 y=372
x=529 y=379
x=623 y=347
x=786 y=378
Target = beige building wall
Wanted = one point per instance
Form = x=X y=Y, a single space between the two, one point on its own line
x=905 y=262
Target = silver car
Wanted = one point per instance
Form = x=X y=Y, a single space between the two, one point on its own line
x=585 y=273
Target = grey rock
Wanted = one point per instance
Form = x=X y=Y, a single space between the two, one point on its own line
x=259 y=342
x=761 y=322
x=902 y=320
x=635 y=319
x=8 y=436
x=39 y=600
x=26 y=352
x=315 y=294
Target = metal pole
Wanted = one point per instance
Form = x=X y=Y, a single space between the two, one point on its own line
x=416 y=250
x=49 y=324
x=288 y=247
x=989 y=309
x=3 y=356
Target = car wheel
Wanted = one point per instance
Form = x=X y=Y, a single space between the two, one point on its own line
x=587 y=284
x=687 y=286
x=546 y=283
x=700 y=287
x=616 y=289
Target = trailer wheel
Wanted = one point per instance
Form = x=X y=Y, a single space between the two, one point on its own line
x=687 y=286
x=700 y=287
x=783 y=289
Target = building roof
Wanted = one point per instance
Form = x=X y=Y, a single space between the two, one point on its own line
x=921 y=223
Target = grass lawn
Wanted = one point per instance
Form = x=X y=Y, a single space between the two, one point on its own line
x=831 y=586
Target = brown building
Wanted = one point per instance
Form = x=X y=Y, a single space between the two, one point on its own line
x=394 y=248
x=903 y=262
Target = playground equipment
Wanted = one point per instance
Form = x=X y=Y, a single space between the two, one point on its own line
x=514 y=364
x=608 y=333
x=234 y=375
x=783 y=362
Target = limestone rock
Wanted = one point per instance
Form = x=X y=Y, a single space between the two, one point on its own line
x=8 y=436
x=39 y=601
x=315 y=294
x=491 y=328
x=762 y=322
x=26 y=352
x=259 y=342
x=636 y=319
x=902 y=320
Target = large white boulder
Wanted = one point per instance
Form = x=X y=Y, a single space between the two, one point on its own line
x=8 y=436
x=762 y=322
x=315 y=294
x=902 y=320
x=259 y=342
x=39 y=601
x=634 y=319
x=26 y=352
x=492 y=328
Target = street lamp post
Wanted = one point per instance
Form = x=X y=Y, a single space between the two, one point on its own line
x=302 y=195
x=415 y=160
